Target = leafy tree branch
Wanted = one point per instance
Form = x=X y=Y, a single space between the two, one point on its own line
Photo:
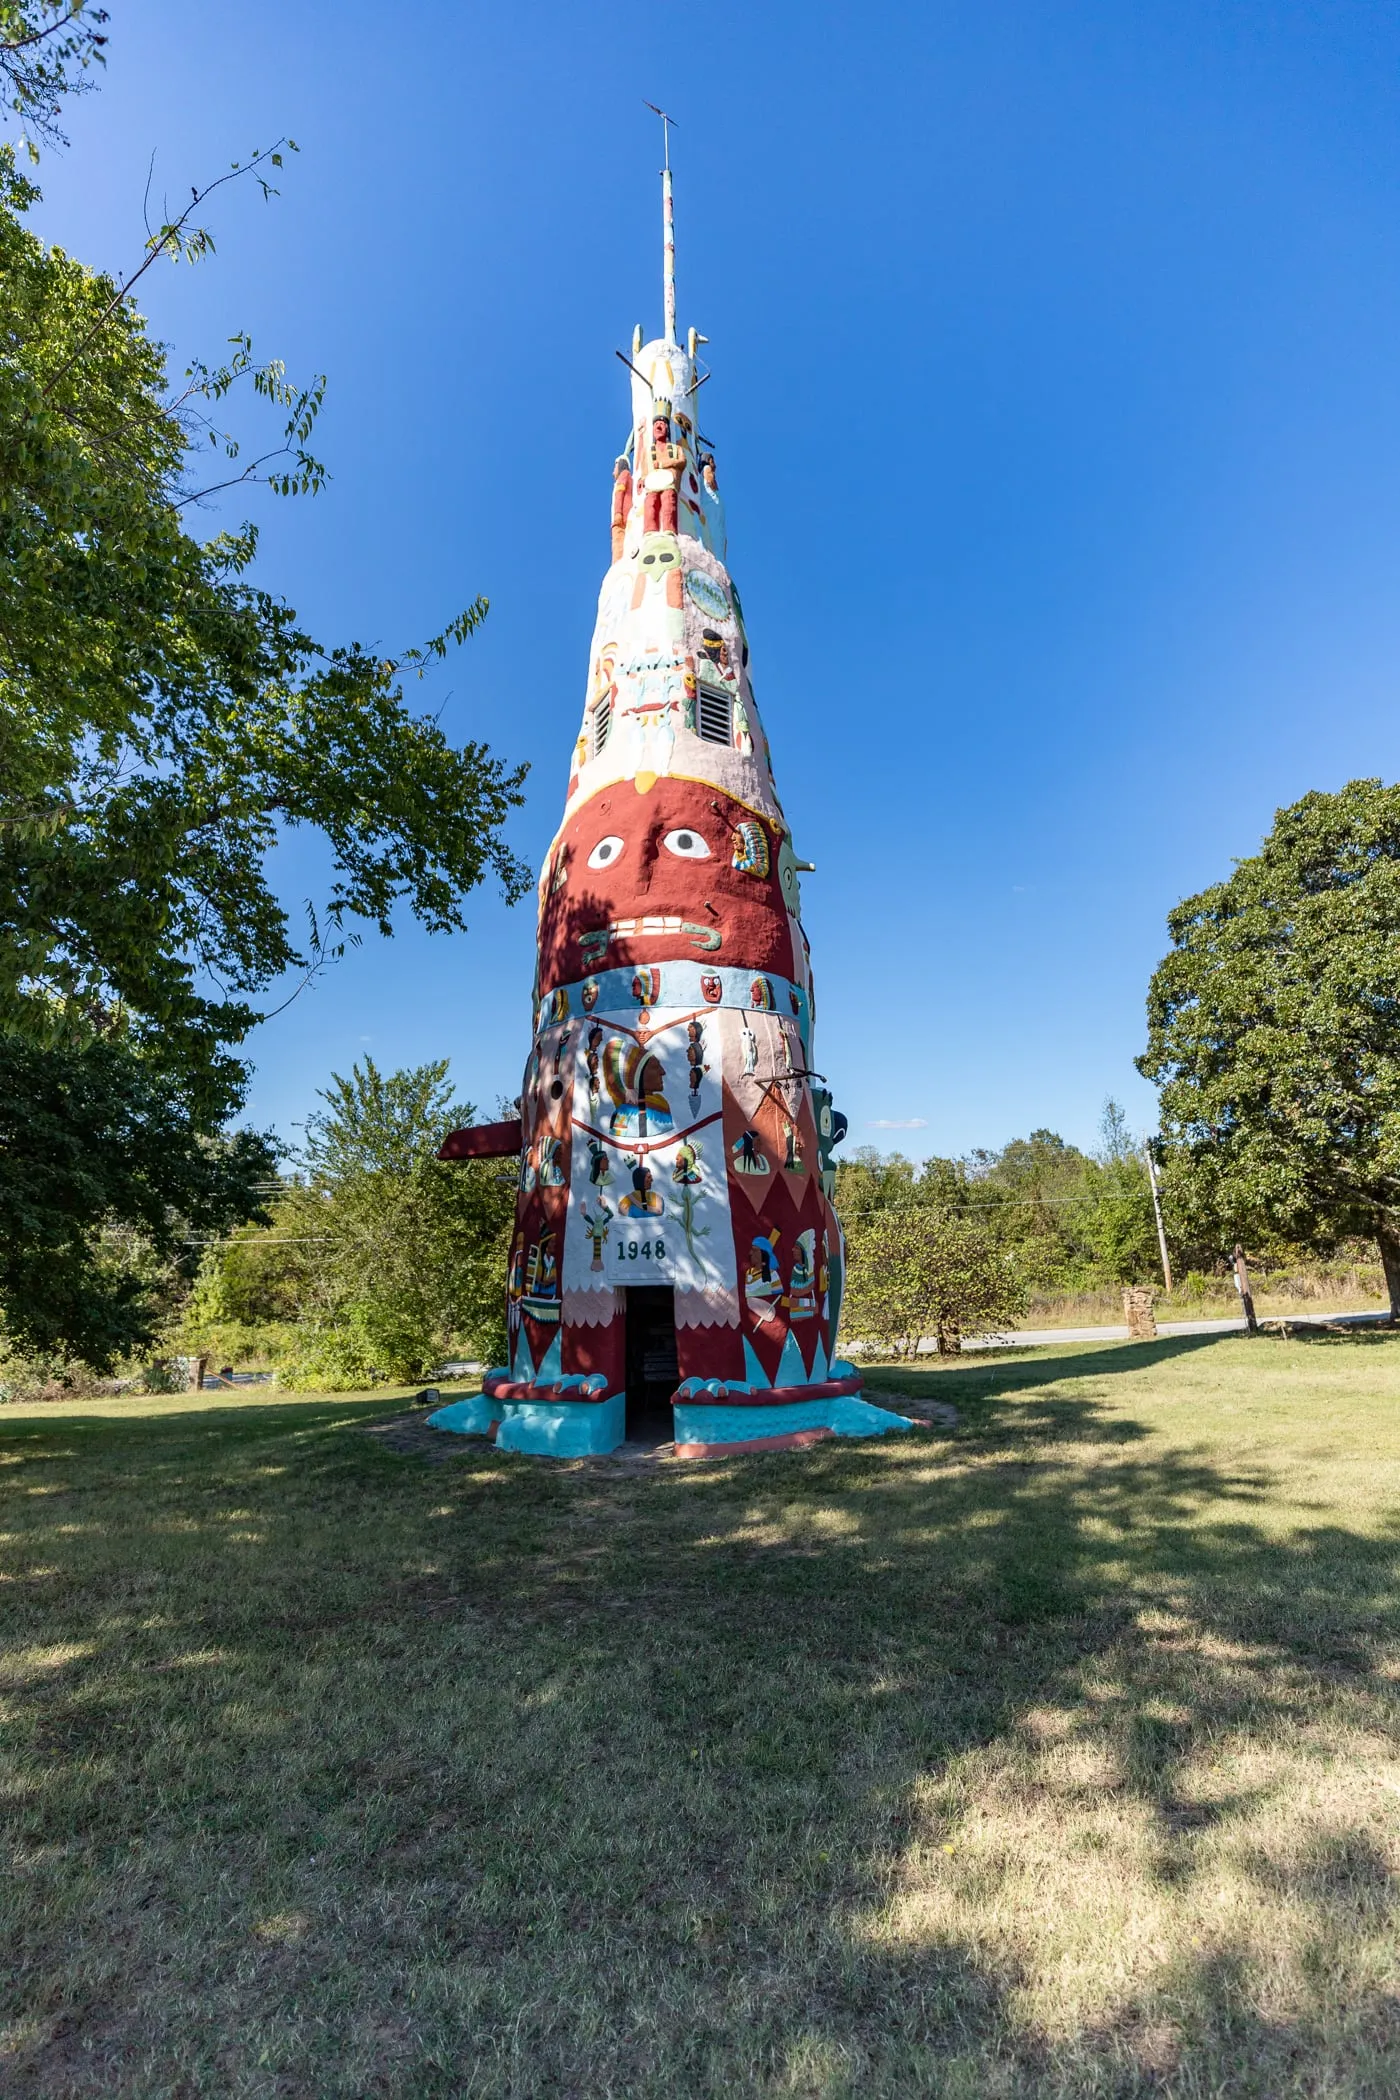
x=165 y=720
x=46 y=47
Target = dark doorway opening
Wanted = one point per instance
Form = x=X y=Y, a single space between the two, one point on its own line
x=652 y=1367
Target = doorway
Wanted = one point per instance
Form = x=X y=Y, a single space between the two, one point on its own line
x=652 y=1366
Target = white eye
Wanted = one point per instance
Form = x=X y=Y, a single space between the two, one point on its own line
x=686 y=845
x=605 y=853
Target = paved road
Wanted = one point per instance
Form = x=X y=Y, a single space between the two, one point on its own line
x=1033 y=1338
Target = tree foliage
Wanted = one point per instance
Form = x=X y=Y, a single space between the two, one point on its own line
x=1066 y=1219
x=46 y=50
x=164 y=721
x=1274 y=1035
x=383 y=1258
x=91 y=1142
x=913 y=1271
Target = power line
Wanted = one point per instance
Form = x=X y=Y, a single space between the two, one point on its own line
x=998 y=1203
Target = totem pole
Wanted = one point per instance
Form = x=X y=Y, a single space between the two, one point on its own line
x=675 y=1244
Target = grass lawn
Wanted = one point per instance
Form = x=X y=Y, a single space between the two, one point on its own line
x=1052 y=1754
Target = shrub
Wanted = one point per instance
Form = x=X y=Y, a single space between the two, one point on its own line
x=912 y=1272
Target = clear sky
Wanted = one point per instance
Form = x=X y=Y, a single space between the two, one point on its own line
x=1056 y=399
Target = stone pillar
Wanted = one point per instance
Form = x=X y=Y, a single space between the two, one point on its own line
x=1137 y=1311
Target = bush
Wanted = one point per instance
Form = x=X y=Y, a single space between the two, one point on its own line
x=163 y=1376
x=378 y=1265
x=369 y=1344
x=912 y=1272
x=24 y=1376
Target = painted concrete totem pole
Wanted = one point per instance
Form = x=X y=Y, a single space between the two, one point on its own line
x=675 y=1243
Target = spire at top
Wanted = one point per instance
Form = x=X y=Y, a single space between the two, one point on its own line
x=668 y=227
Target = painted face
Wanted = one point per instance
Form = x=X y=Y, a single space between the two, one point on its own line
x=787 y=877
x=660 y=556
x=652 y=879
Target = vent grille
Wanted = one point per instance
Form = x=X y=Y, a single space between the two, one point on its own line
x=716 y=716
x=602 y=723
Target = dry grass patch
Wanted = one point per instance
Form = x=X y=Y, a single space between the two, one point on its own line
x=1052 y=1754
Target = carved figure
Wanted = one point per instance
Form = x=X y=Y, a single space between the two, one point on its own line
x=662 y=484
x=621 y=503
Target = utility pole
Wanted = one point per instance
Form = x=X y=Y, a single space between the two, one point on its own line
x=1157 y=1214
x=1242 y=1286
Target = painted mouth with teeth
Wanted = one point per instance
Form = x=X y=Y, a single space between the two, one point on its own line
x=596 y=942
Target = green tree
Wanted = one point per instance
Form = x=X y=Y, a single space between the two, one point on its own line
x=46 y=50
x=380 y=1124
x=384 y=1256
x=872 y=1180
x=911 y=1273
x=165 y=720
x=88 y=1143
x=1274 y=1036
x=1033 y=1197
x=1064 y=1219
x=1116 y=1221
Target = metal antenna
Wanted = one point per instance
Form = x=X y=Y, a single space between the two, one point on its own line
x=668 y=224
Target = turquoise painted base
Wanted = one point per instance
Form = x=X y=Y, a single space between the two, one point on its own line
x=748 y=1425
x=471 y=1417
x=591 y=1428
x=548 y=1428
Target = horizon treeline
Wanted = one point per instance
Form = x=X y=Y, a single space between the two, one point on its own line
x=1070 y=1221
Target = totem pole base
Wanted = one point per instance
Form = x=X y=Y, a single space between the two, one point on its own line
x=712 y=1420
x=715 y=1421
x=543 y=1424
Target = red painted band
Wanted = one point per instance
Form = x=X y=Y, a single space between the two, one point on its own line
x=793 y=1442
x=514 y=1389
x=766 y=1396
x=772 y=1396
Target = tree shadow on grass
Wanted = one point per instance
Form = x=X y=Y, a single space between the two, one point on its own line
x=521 y=1779
x=1023 y=1369
x=1319 y=1335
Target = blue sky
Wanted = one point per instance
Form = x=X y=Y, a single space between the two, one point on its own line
x=1057 y=409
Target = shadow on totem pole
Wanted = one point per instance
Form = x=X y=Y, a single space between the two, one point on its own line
x=577 y=921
